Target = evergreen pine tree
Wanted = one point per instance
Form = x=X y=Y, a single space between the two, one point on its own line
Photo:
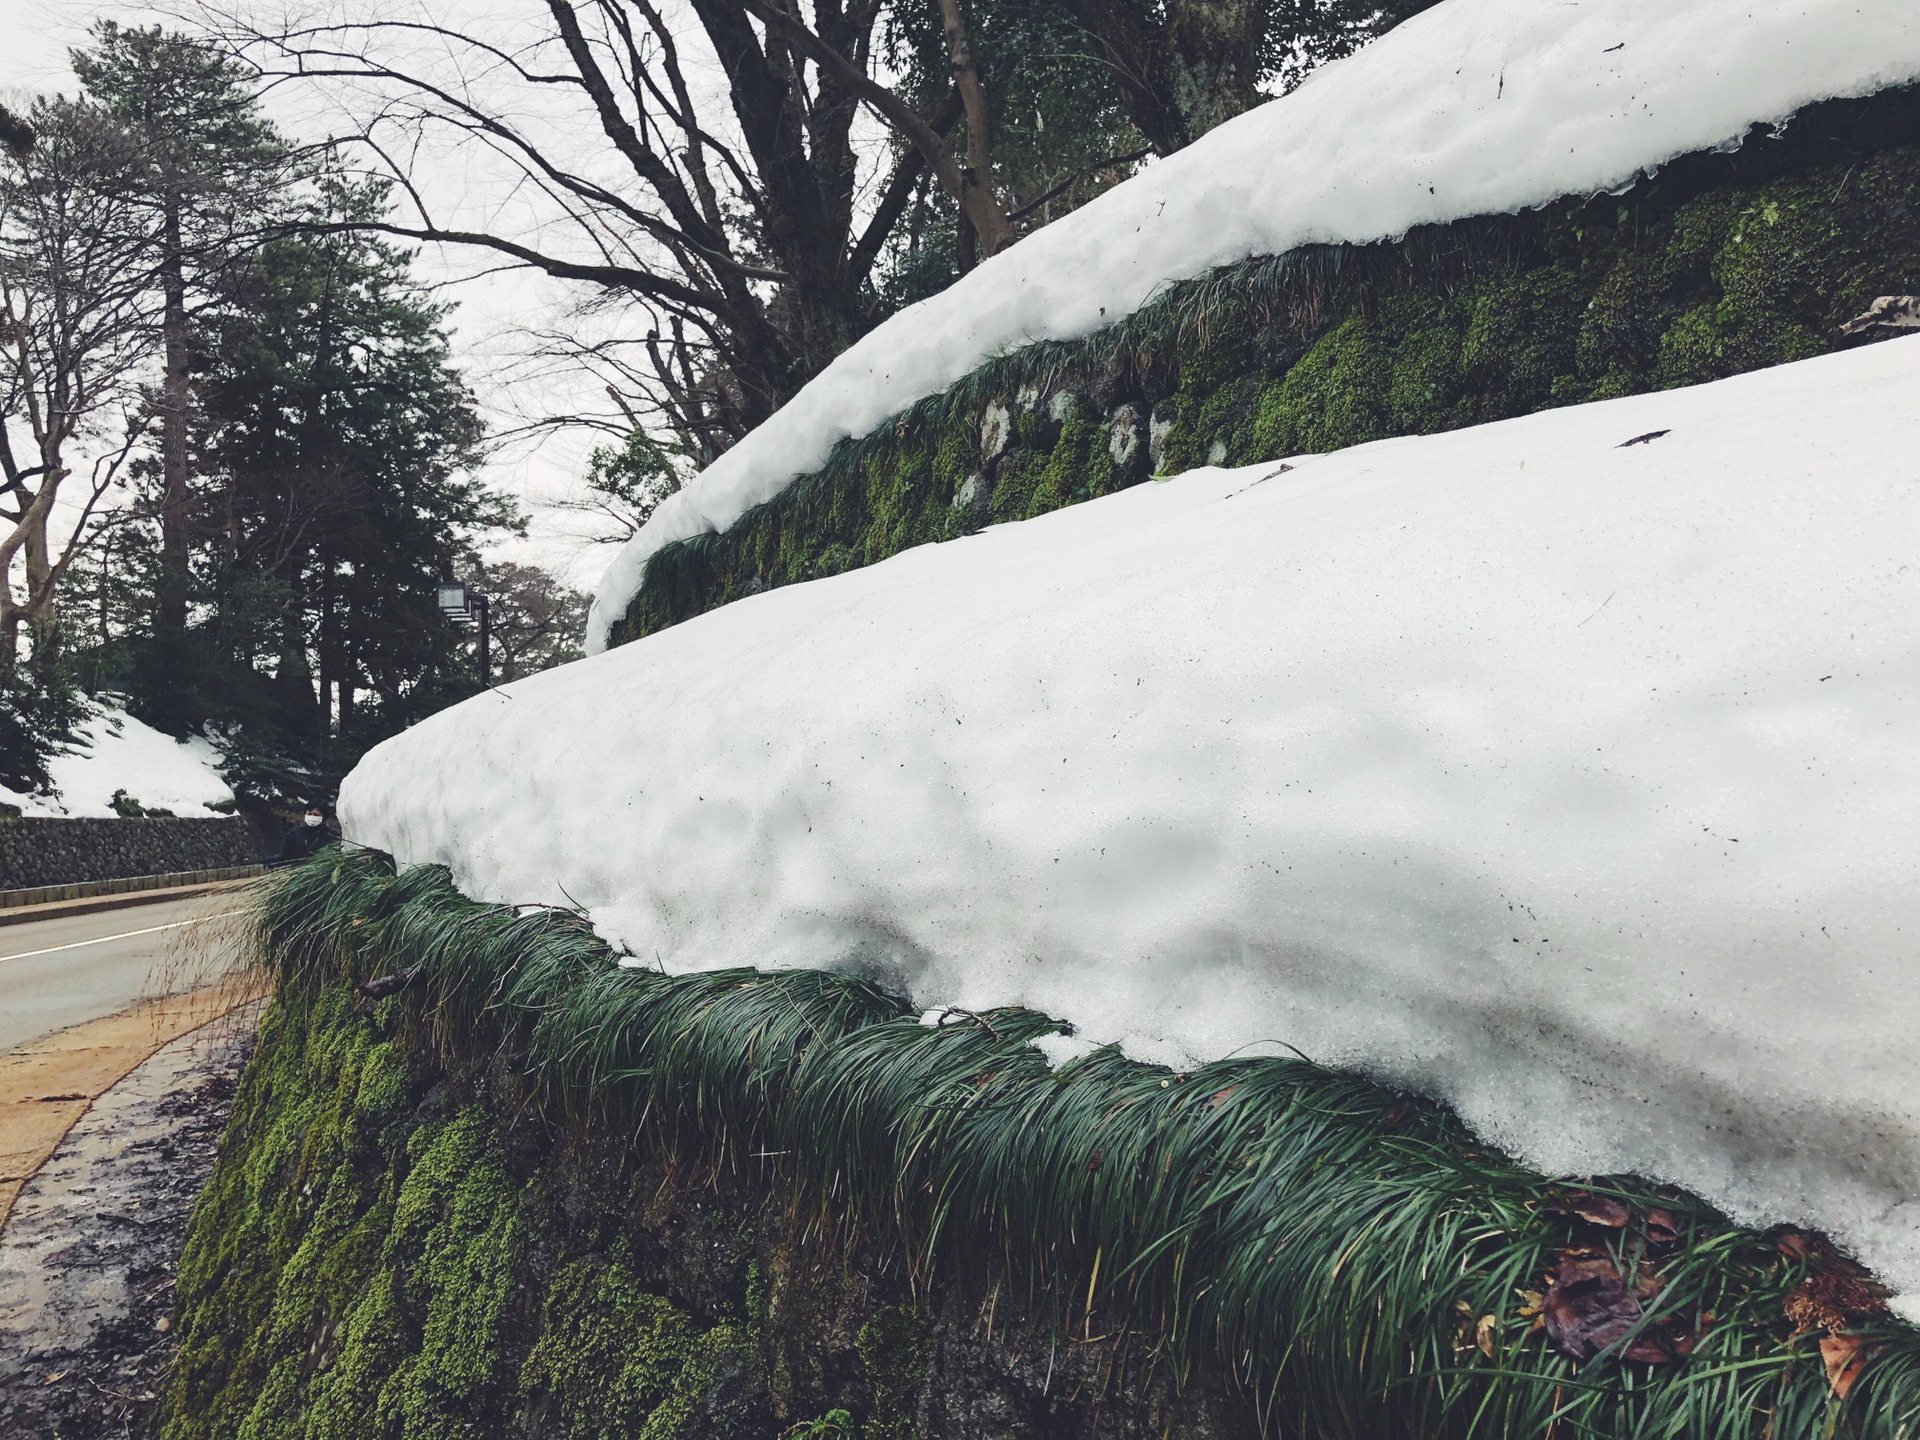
x=338 y=440
x=211 y=164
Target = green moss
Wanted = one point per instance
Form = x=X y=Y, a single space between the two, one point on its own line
x=290 y=1230
x=896 y=1350
x=1520 y=340
x=1062 y=478
x=711 y=1396
x=1020 y=475
x=1333 y=396
x=834 y=1425
x=609 y=1354
x=456 y=1241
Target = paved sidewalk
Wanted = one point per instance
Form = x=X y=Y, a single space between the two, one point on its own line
x=49 y=1084
x=89 y=1256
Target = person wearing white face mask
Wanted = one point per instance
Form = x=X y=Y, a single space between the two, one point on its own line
x=302 y=840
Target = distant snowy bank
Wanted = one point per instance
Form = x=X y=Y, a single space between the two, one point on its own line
x=1476 y=107
x=1574 y=781
x=118 y=752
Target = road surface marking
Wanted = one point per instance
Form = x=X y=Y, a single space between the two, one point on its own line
x=124 y=935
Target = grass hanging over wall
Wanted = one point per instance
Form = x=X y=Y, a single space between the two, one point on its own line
x=1718 y=265
x=1353 y=1259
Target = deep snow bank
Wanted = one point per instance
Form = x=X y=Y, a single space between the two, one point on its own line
x=118 y=752
x=1475 y=107
x=1576 y=783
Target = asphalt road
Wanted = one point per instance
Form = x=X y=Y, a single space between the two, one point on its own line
x=56 y=973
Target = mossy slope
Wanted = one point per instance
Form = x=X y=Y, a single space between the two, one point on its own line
x=538 y=1194
x=399 y=1244
x=1718 y=265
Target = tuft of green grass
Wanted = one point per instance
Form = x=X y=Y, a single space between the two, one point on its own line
x=1353 y=1259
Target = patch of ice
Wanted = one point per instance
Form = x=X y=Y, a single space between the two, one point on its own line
x=1575 y=784
x=1475 y=107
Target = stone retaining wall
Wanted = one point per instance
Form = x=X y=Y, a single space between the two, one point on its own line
x=41 y=852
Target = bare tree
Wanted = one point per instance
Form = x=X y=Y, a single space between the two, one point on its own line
x=721 y=191
x=75 y=325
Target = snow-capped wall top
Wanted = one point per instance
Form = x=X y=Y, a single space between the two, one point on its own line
x=1574 y=781
x=1475 y=107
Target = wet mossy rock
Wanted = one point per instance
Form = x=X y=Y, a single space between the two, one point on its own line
x=1717 y=265
x=396 y=1247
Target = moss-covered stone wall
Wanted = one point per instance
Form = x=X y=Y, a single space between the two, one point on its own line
x=1719 y=264
x=534 y=1192
x=398 y=1247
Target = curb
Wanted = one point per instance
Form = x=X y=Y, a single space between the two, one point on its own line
x=122 y=900
x=126 y=885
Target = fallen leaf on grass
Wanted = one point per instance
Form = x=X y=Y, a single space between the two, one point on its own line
x=1599 y=1209
x=1835 y=1290
x=1845 y=1356
x=1660 y=1228
x=1532 y=1303
x=1483 y=1335
x=1588 y=1308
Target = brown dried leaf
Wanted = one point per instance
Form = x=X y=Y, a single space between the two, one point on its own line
x=1845 y=1356
x=1583 y=1262
x=1660 y=1228
x=1599 y=1209
x=1463 y=1330
x=1588 y=1308
x=1668 y=1339
x=1647 y=1281
x=1586 y=1316
x=1835 y=1291
x=1483 y=1334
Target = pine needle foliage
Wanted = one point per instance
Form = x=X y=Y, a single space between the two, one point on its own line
x=1354 y=1259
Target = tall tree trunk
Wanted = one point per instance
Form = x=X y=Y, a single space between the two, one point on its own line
x=1215 y=55
x=977 y=174
x=328 y=655
x=1181 y=75
x=174 y=575
x=38 y=553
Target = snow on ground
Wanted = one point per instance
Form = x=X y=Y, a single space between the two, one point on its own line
x=121 y=753
x=1574 y=781
x=1476 y=107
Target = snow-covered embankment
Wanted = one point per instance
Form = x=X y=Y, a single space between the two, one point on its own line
x=1475 y=107
x=1574 y=781
x=119 y=754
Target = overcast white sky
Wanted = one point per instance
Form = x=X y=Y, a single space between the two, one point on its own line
x=494 y=307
